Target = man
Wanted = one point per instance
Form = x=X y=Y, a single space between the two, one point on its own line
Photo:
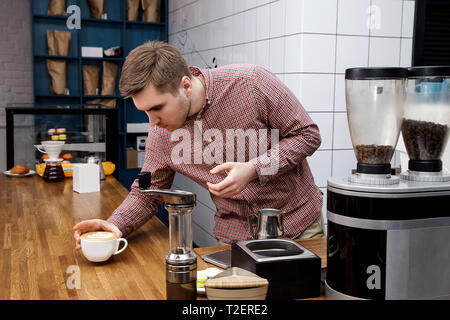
x=181 y=101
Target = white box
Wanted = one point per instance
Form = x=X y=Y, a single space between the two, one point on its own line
x=138 y=127
x=94 y=52
x=140 y=159
x=86 y=178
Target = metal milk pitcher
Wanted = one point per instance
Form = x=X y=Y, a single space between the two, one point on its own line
x=269 y=224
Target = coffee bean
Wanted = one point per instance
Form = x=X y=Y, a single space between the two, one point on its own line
x=374 y=154
x=424 y=140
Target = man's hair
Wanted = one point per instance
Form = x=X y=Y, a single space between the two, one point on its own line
x=155 y=62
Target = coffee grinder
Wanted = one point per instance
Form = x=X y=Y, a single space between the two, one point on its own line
x=181 y=261
x=387 y=237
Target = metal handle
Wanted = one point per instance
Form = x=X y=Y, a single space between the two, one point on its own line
x=252 y=233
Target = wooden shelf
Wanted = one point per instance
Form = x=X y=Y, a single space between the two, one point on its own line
x=104 y=58
x=46 y=56
x=102 y=97
x=105 y=33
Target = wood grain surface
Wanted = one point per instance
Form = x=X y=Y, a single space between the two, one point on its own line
x=37 y=244
x=37 y=248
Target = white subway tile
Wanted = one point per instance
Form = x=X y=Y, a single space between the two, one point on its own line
x=293 y=53
x=238 y=28
x=316 y=92
x=325 y=123
x=406 y=53
x=344 y=161
x=408 y=19
x=263 y=22
x=384 y=52
x=227 y=25
x=318 y=54
x=353 y=17
x=386 y=21
x=262 y=54
x=292 y=81
x=294 y=15
x=249 y=30
x=339 y=97
x=318 y=16
x=351 y=52
x=341 y=132
x=276 y=55
x=227 y=56
x=277 y=18
x=320 y=165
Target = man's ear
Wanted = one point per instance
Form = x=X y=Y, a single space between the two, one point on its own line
x=186 y=85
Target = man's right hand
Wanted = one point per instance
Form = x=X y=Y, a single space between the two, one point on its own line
x=93 y=225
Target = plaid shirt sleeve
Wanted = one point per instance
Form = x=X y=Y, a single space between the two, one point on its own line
x=299 y=136
x=138 y=208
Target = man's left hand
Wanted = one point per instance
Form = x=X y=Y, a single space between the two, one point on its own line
x=239 y=176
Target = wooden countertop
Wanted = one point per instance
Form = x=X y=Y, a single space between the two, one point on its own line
x=38 y=256
x=36 y=221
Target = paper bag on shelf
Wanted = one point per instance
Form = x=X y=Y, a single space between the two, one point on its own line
x=109 y=78
x=58 y=42
x=91 y=76
x=57 y=70
x=109 y=103
x=133 y=10
x=151 y=10
x=56 y=7
x=96 y=7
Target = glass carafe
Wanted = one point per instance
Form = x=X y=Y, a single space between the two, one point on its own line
x=375 y=104
x=53 y=170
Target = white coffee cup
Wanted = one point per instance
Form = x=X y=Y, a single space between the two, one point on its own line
x=99 y=246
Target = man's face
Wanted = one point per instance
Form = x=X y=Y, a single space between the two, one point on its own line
x=164 y=110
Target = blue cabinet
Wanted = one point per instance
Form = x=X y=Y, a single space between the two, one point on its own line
x=105 y=33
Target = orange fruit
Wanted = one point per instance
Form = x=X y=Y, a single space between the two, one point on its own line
x=108 y=167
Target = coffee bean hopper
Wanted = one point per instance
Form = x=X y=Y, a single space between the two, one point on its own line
x=426 y=123
x=387 y=237
x=181 y=261
x=375 y=104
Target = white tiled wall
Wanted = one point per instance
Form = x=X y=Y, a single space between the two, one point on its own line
x=308 y=44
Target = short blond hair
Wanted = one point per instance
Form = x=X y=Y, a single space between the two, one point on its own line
x=155 y=62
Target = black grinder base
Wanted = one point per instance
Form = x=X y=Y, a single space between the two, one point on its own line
x=293 y=271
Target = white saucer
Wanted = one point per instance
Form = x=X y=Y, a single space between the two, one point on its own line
x=30 y=173
x=201 y=291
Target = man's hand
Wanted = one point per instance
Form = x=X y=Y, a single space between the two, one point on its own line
x=93 y=225
x=239 y=176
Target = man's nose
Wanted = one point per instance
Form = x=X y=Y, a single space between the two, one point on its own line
x=153 y=120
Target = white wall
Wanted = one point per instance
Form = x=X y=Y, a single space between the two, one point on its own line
x=308 y=44
x=16 y=75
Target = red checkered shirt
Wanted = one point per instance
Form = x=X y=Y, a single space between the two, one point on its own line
x=238 y=97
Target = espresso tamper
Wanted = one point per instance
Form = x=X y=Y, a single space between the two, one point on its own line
x=181 y=261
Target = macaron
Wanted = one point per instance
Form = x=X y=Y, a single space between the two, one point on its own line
x=55 y=137
x=51 y=132
x=61 y=130
x=62 y=137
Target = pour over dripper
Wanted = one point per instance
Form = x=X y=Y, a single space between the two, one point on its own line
x=375 y=104
x=52 y=148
